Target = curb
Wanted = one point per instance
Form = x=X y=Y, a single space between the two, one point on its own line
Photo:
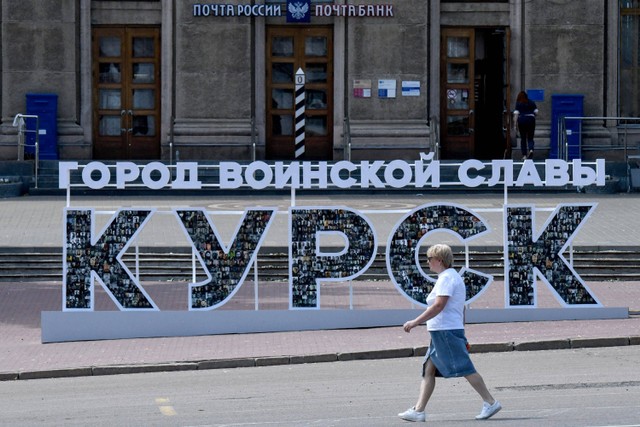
x=250 y=362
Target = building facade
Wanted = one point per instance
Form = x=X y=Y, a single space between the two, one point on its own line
x=190 y=80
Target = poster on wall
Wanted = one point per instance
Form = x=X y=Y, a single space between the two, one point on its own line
x=386 y=88
x=410 y=88
x=362 y=88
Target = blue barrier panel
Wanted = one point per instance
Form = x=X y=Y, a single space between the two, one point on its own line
x=566 y=106
x=45 y=106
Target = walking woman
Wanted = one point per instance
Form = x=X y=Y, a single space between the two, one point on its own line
x=525 y=118
x=447 y=355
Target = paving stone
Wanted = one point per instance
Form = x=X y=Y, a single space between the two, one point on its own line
x=542 y=345
x=599 y=342
x=227 y=363
x=314 y=358
x=56 y=373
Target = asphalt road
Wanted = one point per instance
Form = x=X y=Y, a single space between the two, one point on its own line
x=582 y=387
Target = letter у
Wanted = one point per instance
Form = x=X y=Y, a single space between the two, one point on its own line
x=403 y=263
x=86 y=259
x=308 y=265
x=526 y=256
x=225 y=267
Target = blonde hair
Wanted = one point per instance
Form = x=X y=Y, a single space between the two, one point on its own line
x=442 y=252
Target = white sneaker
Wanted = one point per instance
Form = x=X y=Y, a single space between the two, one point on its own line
x=488 y=411
x=412 y=415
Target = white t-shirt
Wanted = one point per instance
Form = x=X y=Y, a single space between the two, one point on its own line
x=449 y=284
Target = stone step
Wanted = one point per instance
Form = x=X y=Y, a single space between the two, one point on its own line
x=158 y=266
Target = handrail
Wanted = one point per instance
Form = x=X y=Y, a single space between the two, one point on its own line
x=253 y=138
x=434 y=136
x=171 y=136
x=563 y=141
x=20 y=122
x=347 y=138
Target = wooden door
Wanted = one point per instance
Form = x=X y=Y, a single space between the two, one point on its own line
x=457 y=93
x=289 y=49
x=126 y=95
x=507 y=117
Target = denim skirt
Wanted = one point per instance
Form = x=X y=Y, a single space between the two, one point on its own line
x=448 y=353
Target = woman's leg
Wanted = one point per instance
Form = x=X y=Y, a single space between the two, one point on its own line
x=427 y=386
x=530 y=134
x=490 y=407
x=478 y=385
x=523 y=139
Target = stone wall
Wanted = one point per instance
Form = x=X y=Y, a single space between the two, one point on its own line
x=39 y=55
x=213 y=84
x=564 y=51
x=390 y=48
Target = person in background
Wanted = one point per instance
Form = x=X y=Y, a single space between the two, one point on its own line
x=524 y=116
x=448 y=353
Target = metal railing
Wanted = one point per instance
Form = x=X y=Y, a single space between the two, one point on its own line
x=564 y=133
x=434 y=136
x=346 y=143
x=253 y=139
x=621 y=122
x=20 y=121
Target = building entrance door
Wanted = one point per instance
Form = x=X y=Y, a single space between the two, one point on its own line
x=126 y=93
x=474 y=93
x=289 y=49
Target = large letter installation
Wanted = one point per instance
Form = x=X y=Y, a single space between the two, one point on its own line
x=308 y=265
x=86 y=259
x=543 y=255
x=403 y=262
x=226 y=267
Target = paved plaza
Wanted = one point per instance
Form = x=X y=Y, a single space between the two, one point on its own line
x=34 y=222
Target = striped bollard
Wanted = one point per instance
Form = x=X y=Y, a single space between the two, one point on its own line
x=299 y=120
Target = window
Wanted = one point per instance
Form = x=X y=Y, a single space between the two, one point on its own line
x=629 y=61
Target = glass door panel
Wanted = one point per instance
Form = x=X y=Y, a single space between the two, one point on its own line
x=143 y=47
x=143 y=72
x=316 y=126
x=316 y=99
x=316 y=73
x=110 y=72
x=110 y=46
x=282 y=125
x=282 y=99
x=110 y=99
x=457 y=73
x=109 y=126
x=282 y=46
x=458 y=47
x=144 y=126
x=143 y=99
x=315 y=46
x=281 y=72
x=458 y=125
x=458 y=99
